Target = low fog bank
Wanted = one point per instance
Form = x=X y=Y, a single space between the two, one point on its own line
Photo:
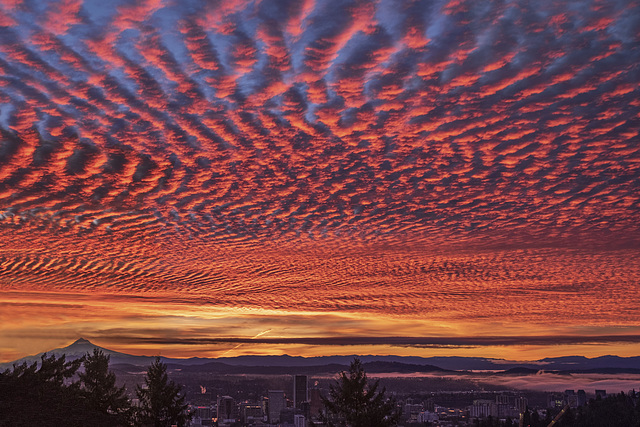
x=542 y=381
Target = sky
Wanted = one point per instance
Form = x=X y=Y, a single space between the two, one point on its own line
x=315 y=177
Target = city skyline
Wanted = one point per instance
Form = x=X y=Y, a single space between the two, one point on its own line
x=192 y=178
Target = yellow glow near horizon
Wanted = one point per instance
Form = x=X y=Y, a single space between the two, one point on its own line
x=35 y=322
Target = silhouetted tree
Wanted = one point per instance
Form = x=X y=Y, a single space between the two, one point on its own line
x=43 y=396
x=615 y=410
x=108 y=404
x=353 y=402
x=535 y=418
x=160 y=402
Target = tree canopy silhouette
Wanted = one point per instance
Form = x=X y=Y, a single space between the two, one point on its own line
x=47 y=393
x=109 y=404
x=55 y=392
x=160 y=401
x=354 y=402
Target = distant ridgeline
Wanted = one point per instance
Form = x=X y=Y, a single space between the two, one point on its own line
x=374 y=364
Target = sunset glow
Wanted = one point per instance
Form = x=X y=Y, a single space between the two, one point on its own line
x=195 y=178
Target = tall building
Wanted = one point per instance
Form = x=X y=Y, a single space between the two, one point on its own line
x=277 y=403
x=521 y=404
x=502 y=399
x=428 y=404
x=411 y=410
x=227 y=410
x=556 y=400
x=300 y=421
x=481 y=408
x=265 y=407
x=250 y=413
x=582 y=398
x=427 y=417
x=202 y=416
x=300 y=391
x=571 y=398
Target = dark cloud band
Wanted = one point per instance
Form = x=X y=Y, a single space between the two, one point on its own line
x=436 y=342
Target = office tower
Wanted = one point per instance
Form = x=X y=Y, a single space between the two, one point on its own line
x=277 y=403
x=300 y=393
x=227 y=410
x=582 y=398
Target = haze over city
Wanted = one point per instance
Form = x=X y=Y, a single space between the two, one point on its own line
x=320 y=177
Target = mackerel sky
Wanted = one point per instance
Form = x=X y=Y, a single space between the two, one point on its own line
x=320 y=177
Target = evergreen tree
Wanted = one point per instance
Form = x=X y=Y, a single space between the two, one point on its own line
x=353 y=402
x=160 y=402
x=108 y=404
x=43 y=396
x=535 y=419
x=614 y=410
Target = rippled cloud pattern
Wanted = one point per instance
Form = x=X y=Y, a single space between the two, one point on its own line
x=378 y=158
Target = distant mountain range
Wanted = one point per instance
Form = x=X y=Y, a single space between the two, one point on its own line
x=275 y=365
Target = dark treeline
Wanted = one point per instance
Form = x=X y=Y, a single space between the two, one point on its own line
x=83 y=392
x=613 y=411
